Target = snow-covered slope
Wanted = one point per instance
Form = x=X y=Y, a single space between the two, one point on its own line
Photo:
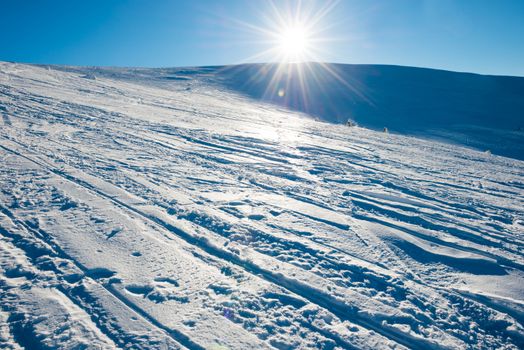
x=479 y=111
x=156 y=209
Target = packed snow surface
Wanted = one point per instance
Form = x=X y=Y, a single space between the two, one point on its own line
x=156 y=209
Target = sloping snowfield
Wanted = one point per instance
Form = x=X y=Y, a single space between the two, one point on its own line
x=145 y=212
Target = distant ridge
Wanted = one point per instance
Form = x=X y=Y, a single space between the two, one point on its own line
x=480 y=111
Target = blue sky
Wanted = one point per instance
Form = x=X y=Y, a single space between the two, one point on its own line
x=483 y=36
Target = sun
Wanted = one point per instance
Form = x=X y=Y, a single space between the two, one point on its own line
x=293 y=42
x=295 y=31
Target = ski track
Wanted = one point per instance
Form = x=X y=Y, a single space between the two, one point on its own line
x=167 y=213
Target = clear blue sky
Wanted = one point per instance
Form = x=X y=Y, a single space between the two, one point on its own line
x=483 y=36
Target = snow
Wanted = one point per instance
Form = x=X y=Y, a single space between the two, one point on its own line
x=477 y=111
x=161 y=209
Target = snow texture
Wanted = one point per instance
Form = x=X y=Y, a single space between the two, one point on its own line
x=178 y=209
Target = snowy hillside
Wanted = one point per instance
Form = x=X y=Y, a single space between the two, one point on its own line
x=156 y=209
x=479 y=111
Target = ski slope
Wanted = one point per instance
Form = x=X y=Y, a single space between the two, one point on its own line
x=156 y=209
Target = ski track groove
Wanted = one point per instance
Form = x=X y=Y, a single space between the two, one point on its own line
x=176 y=335
x=417 y=280
x=30 y=343
x=341 y=226
x=317 y=297
x=362 y=217
x=406 y=218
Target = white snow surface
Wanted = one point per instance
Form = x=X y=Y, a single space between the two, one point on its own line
x=138 y=212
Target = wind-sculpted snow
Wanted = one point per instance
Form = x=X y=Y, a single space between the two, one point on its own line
x=152 y=209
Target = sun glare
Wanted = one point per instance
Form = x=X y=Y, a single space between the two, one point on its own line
x=293 y=38
x=294 y=43
x=292 y=31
